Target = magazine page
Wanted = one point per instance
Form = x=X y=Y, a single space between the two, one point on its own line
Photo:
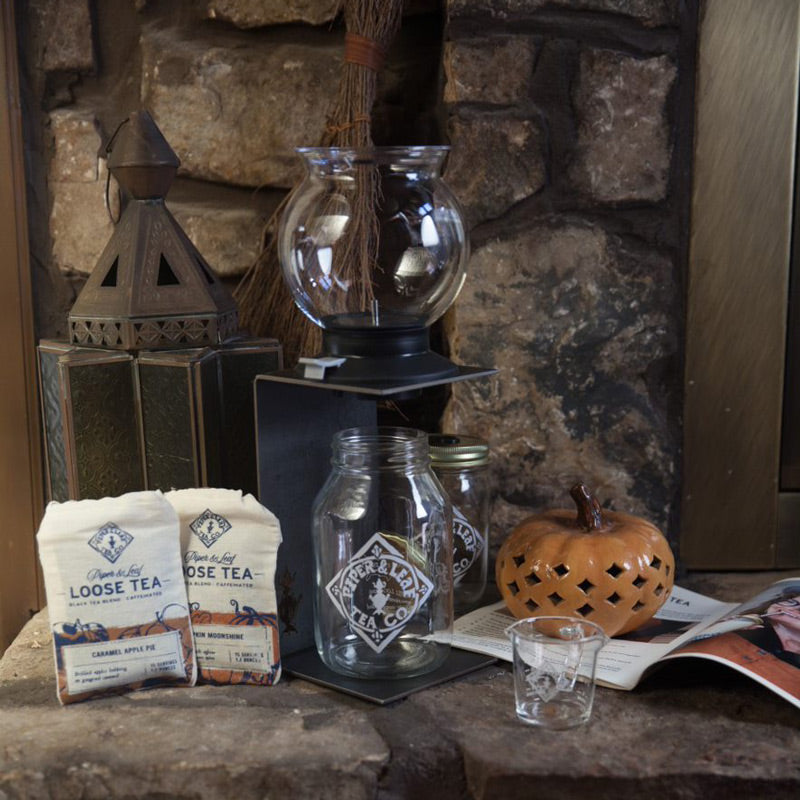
x=760 y=638
x=624 y=659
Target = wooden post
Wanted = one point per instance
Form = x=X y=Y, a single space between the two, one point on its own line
x=21 y=495
x=745 y=137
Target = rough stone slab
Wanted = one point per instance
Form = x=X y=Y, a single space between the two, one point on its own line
x=80 y=225
x=199 y=743
x=23 y=661
x=76 y=146
x=256 y=13
x=494 y=70
x=65 y=28
x=496 y=160
x=660 y=741
x=651 y=13
x=580 y=324
x=121 y=749
x=235 y=113
x=623 y=151
x=229 y=238
x=692 y=731
x=227 y=235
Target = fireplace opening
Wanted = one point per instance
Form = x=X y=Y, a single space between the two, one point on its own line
x=741 y=487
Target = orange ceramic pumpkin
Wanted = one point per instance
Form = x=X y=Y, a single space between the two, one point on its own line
x=610 y=568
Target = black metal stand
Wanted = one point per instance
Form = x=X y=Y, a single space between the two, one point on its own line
x=375 y=356
x=296 y=419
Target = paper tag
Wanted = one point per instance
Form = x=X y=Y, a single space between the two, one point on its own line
x=239 y=647
x=102 y=665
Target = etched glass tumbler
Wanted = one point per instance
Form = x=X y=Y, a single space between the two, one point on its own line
x=554 y=665
x=383 y=556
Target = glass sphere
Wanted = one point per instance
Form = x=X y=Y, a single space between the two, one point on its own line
x=373 y=237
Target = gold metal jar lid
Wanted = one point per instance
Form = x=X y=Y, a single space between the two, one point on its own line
x=451 y=450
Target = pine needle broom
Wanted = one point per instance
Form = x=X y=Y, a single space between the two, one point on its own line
x=266 y=306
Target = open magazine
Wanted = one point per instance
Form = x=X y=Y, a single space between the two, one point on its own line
x=760 y=638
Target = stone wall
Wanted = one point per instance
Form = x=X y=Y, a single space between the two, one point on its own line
x=234 y=85
x=570 y=122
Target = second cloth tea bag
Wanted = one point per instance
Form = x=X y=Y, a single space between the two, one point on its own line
x=229 y=543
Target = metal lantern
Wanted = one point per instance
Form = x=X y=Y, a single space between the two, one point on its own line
x=151 y=288
x=154 y=389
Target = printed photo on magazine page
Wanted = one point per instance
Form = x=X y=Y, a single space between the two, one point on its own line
x=760 y=638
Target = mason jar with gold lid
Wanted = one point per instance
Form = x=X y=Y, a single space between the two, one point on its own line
x=461 y=465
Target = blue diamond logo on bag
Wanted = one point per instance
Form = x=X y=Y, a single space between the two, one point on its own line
x=110 y=541
x=208 y=527
x=378 y=592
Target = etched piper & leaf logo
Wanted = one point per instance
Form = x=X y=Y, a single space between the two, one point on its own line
x=378 y=592
x=468 y=544
x=208 y=527
x=110 y=541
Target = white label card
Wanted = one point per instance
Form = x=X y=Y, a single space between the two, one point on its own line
x=239 y=647
x=102 y=665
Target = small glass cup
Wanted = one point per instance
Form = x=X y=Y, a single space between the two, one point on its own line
x=554 y=666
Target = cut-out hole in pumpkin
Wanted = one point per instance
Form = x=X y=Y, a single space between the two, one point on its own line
x=585 y=610
x=639 y=582
x=532 y=579
x=666 y=570
x=555 y=598
x=110 y=278
x=586 y=586
x=638 y=606
x=531 y=605
x=561 y=570
x=615 y=570
x=513 y=588
x=659 y=590
x=614 y=599
x=656 y=563
x=166 y=277
x=519 y=560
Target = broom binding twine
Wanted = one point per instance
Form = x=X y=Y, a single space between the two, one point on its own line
x=363 y=51
x=358 y=119
x=266 y=305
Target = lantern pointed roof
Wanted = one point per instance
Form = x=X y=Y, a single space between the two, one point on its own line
x=150 y=288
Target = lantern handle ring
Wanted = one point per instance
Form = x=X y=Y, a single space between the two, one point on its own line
x=109 y=147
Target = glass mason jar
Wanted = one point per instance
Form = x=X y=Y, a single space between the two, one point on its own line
x=381 y=528
x=461 y=464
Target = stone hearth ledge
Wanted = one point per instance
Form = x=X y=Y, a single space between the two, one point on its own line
x=689 y=731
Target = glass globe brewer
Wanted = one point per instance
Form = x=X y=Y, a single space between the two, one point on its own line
x=372 y=246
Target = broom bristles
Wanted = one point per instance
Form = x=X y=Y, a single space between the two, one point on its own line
x=266 y=306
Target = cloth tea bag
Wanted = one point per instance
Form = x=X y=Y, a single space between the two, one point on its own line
x=230 y=546
x=116 y=595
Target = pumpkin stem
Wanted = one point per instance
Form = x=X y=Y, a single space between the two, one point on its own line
x=590 y=515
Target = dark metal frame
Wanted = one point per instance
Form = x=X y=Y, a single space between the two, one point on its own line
x=733 y=516
x=21 y=481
